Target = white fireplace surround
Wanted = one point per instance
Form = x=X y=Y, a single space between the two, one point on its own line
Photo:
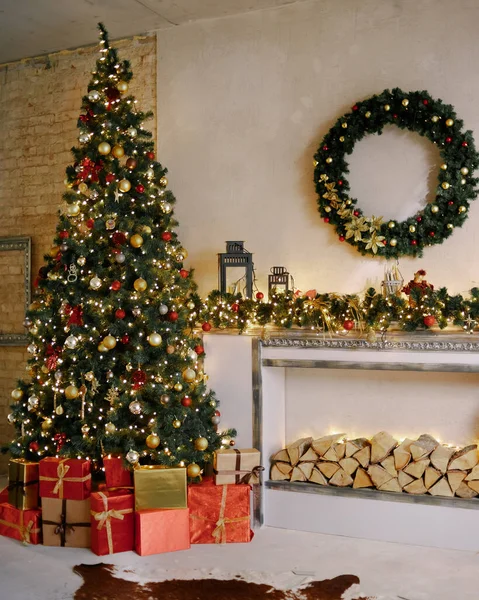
x=250 y=377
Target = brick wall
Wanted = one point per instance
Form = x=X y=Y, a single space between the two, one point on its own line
x=40 y=102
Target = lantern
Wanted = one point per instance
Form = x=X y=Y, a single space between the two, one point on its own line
x=278 y=280
x=236 y=256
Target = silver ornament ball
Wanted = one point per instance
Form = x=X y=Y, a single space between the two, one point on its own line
x=163 y=309
x=93 y=96
x=135 y=407
x=120 y=258
x=132 y=457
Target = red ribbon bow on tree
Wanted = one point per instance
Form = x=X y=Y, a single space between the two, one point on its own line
x=139 y=379
x=90 y=169
x=75 y=313
x=53 y=356
x=60 y=439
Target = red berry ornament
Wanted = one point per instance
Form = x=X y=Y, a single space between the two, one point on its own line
x=173 y=315
x=425 y=101
x=326 y=219
x=150 y=155
x=166 y=236
x=186 y=401
x=355 y=107
x=90 y=223
x=125 y=339
x=413 y=243
x=119 y=238
x=429 y=321
x=464 y=144
x=431 y=234
x=418 y=219
x=199 y=350
x=325 y=148
x=206 y=327
x=64 y=234
x=340 y=182
x=348 y=325
x=356 y=213
x=235 y=307
x=217 y=413
x=120 y=313
x=448 y=140
x=110 y=177
x=140 y=188
x=341 y=238
x=34 y=446
x=259 y=295
x=184 y=273
x=115 y=285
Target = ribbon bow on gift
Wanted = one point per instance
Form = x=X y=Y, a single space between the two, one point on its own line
x=62 y=470
x=104 y=519
x=255 y=472
x=219 y=532
x=25 y=531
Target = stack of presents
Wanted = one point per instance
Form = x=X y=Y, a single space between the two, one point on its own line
x=151 y=511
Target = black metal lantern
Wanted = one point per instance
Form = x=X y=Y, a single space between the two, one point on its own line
x=278 y=280
x=236 y=256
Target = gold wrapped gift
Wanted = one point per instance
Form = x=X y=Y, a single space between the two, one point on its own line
x=23 y=484
x=237 y=466
x=160 y=487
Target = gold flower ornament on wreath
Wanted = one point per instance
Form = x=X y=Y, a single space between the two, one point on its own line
x=418 y=112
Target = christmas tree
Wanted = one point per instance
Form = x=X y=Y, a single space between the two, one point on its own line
x=115 y=365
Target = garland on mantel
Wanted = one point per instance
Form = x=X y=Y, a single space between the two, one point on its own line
x=369 y=313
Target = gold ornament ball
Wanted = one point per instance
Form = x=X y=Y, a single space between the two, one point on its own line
x=189 y=375
x=450 y=226
x=445 y=185
x=59 y=409
x=391 y=224
x=124 y=185
x=341 y=139
x=102 y=348
x=344 y=125
x=444 y=167
x=109 y=342
x=54 y=250
x=464 y=170
x=110 y=427
x=367 y=115
x=405 y=102
x=85 y=429
x=104 y=148
x=164 y=399
x=183 y=253
x=163 y=181
x=201 y=444
x=136 y=240
x=387 y=107
x=193 y=470
x=435 y=119
x=449 y=122
x=71 y=392
x=178 y=387
x=327 y=208
x=153 y=441
x=412 y=228
x=17 y=394
x=122 y=87
x=45 y=369
x=329 y=160
x=140 y=284
x=81 y=260
x=463 y=182
x=170 y=349
x=73 y=210
x=46 y=425
x=393 y=242
x=176 y=423
x=462 y=209
x=147 y=229
x=118 y=151
x=190 y=305
x=83 y=187
x=154 y=339
x=434 y=208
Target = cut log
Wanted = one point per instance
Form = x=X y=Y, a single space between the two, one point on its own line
x=441 y=488
x=379 y=475
x=282 y=455
x=298 y=475
x=318 y=477
x=381 y=445
x=431 y=475
x=297 y=449
x=284 y=468
x=341 y=479
x=352 y=446
x=416 y=469
x=464 y=459
x=404 y=479
x=340 y=450
x=402 y=454
x=474 y=474
x=363 y=456
x=331 y=455
x=309 y=456
x=440 y=458
x=362 y=479
x=423 y=447
x=306 y=468
x=391 y=486
x=474 y=485
x=277 y=475
x=415 y=487
x=328 y=469
x=455 y=478
x=464 y=491
x=323 y=444
x=349 y=465
x=389 y=465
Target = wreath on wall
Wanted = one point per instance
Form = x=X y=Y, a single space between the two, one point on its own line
x=415 y=111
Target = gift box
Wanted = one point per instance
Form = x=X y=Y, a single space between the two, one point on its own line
x=22 y=525
x=112 y=522
x=219 y=514
x=65 y=478
x=237 y=466
x=163 y=530
x=66 y=522
x=4 y=495
x=116 y=474
x=23 y=484
x=160 y=487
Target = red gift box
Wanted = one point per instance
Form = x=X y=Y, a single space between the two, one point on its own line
x=219 y=514
x=116 y=474
x=4 y=495
x=65 y=478
x=22 y=525
x=112 y=522
x=161 y=530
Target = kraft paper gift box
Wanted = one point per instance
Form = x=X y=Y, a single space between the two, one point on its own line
x=160 y=487
x=65 y=478
x=112 y=522
x=219 y=514
x=22 y=525
x=163 y=530
x=23 y=484
x=66 y=522
x=116 y=474
x=237 y=466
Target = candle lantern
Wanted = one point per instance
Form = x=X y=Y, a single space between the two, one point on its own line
x=236 y=256
x=278 y=280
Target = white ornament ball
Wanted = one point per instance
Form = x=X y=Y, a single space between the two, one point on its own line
x=83 y=138
x=167 y=208
x=71 y=342
x=11 y=418
x=93 y=96
x=73 y=209
x=120 y=258
x=132 y=457
x=104 y=148
x=33 y=403
x=132 y=132
x=163 y=310
x=135 y=407
x=154 y=339
x=150 y=173
x=189 y=375
x=110 y=427
x=95 y=283
x=215 y=420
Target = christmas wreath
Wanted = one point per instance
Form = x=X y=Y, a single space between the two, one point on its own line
x=415 y=111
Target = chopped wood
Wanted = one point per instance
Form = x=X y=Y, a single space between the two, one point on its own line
x=391 y=486
x=323 y=444
x=340 y=450
x=284 y=468
x=364 y=456
x=441 y=488
x=282 y=455
x=306 y=468
x=404 y=479
x=379 y=475
x=464 y=491
x=362 y=479
x=415 y=487
x=431 y=475
x=416 y=469
x=402 y=454
x=328 y=469
x=423 y=447
x=464 y=459
x=276 y=474
x=331 y=455
x=441 y=456
x=455 y=478
x=474 y=474
x=388 y=464
x=381 y=445
x=297 y=449
x=341 y=479
x=309 y=456
x=474 y=485
x=352 y=446
x=349 y=465
x=318 y=477
x=298 y=475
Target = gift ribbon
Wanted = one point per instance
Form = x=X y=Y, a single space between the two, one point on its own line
x=62 y=526
x=19 y=485
x=62 y=470
x=104 y=519
x=237 y=472
x=25 y=532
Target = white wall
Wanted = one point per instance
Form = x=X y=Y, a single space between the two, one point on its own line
x=244 y=101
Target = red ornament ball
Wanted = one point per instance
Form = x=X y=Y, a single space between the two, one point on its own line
x=385 y=242
x=206 y=327
x=413 y=242
x=425 y=101
x=186 y=401
x=120 y=313
x=90 y=223
x=199 y=350
x=464 y=144
x=429 y=321
x=34 y=446
x=150 y=155
x=217 y=413
x=125 y=339
x=340 y=182
x=259 y=295
x=184 y=273
x=451 y=202
x=448 y=140
x=173 y=315
x=119 y=238
x=140 y=188
x=138 y=378
x=166 y=236
x=326 y=219
x=110 y=177
x=431 y=234
x=235 y=307
x=395 y=116
x=348 y=325
x=418 y=219
x=325 y=148
x=356 y=213
x=355 y=107
x=341 y=238
x=64 y=234
x=115 y=285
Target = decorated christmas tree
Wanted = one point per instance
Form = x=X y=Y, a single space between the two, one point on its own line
x=115 y=365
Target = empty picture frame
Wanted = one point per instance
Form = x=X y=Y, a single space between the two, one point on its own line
x=15 y=289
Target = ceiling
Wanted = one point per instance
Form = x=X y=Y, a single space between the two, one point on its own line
x=35 y=27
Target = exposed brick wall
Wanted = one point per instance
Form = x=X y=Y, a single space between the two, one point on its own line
x=40 y=102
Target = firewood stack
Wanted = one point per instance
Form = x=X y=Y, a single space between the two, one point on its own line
x=421 y=466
